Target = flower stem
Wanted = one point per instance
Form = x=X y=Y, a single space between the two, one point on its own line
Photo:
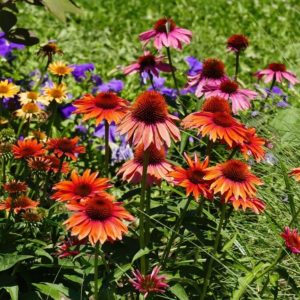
x=96 y=287
x=53 y=106
x=151 y=80
x=233 y=152
x=3 y=170
x=175 y=232
x=237 y=64
x=106 y=137
x=270 y=90
x=142 y=209
x=147 y=223
x=215 y=249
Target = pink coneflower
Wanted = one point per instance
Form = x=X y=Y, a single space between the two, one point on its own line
x=148 y=63
x=230 y=90
x=255 y=204
x=292 y=239
x=158 y=167
x=277 y=72
x=166 y=34
x=212 y=73
x=151 y=283
x=237 y=43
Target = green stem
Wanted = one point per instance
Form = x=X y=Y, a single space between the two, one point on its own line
x=200 y=207
x=151 y=80
x=269 y=92
x=174 y=232
x=53 y=106
x=106 y=162
x=106 y=265
x=96 y=287
x=233 y=152
x=147 y=222
x=3 y=170
x=61 y=163
x=215 y=249
x=142 y=209
x=237 y=63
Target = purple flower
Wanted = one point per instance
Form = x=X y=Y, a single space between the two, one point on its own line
x=159 y=84
x=194 y=64
x=255 y=113
x=7 y=47
x=114 y=85
x=96 y=79
x=276 y=90
x=121 y=153
x=270 y=159
x=80 y=71
x=282 y=104
x=81 y=129
x=67 y=110
x=112 y=133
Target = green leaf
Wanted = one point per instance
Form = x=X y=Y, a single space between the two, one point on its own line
x=7 y=261
x=42 y=252
x=59 y=8
x=179 y=292
x=55 y=291
x=13 y=291
x=184 y=139
x=7 y=20
x=74 y=278
x=140 y=253
x=120 y=270
x=229 y=244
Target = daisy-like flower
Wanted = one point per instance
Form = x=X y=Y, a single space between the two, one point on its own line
x=99 y=218
x=18 y=204
x=15 y=187
x=60 y=68
x=65 y=147
x=55 y=165
x=216 y=122
x=104 y=106
x=255 y=204
x=29 y=111
x=253 y=145
x=292 y=239
x=165 y=33
x=158 y=167
x=151 y=283
x=80 y=187
x=237 y=43
x=212 y=73
x=32 y=97
x=296 y=173
x=148 y=122
x=39 y=163
x=8 y=89
x=192 y=178
x=233 y=178
x=38 y=135
x=27 y=148
x=277 y=72
x=230 y=90
x=58 y=93
x=148 y=63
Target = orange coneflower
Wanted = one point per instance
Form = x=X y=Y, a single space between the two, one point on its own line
x=40 y=163
x=253 y=145
x=14 y=187
x=104 y=106
x=192 y=178
x=18 y=204
x=80 y=187
x=233 y=178
x=158 y=167
x=296 y=173
x=27 y=148
x=65 y=146
x=216 y=122
x=99 y=218
x=148 y=121
x=255 y=204
x=55 y=165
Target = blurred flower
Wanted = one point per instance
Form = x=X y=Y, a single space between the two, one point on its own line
x=255 y=204
x=80 y=187
x=8 y=89
x=282 y=104
x=270 y=159
x=121 y=152
x=32 y=216
x=99 y=218
x=113 y=85
x=292 y=239
x=40 y=163
x=148 y=121
x=195 y=66
x=112 y=132
x=211 y=73
x=80 y=71
x=165 y=33
x=27 y=148
x=28 y=111
x=15 y=187
x=7 y=135
x=233 y=178
x=151 y=283
x=237 y=43
x=60 y=68
x=67 y=110
x=7 y=47
x=18 y=204
x=32 y=97
x=65 y=147
x=278 y=73
x=192 y=178
x=296 y=173
x=58 y=93
x=68 y=248
x=56 y=166
x=104 y=106
x=49 y=50
x=158 y=167
x=159 y=86
x=230 y=90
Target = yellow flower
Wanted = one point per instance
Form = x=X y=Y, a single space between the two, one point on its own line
x=28 y=110
x=59 y=68
x=32 y=97
x=8 y=89
x=56 y=93
x=38 y=135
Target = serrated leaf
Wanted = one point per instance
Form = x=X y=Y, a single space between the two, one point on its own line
x=55 y=291
x=7 y=261
x=179 y=292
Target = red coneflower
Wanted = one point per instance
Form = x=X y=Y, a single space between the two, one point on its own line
x=104 y=106
x=55 y=165
x=192 y=177
x=148 y=121
x=15 y=187
x=27 y=148
x=80 y=187
x=151 y=283
x=158 y=167
x=292 y=239
x=255 y=204
x=296 y=173
x=233 y=178
x=65 y=146
x=99 y=218
x=18 y=204
x=69 y=248
x=39 y=163
x=237 y=43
